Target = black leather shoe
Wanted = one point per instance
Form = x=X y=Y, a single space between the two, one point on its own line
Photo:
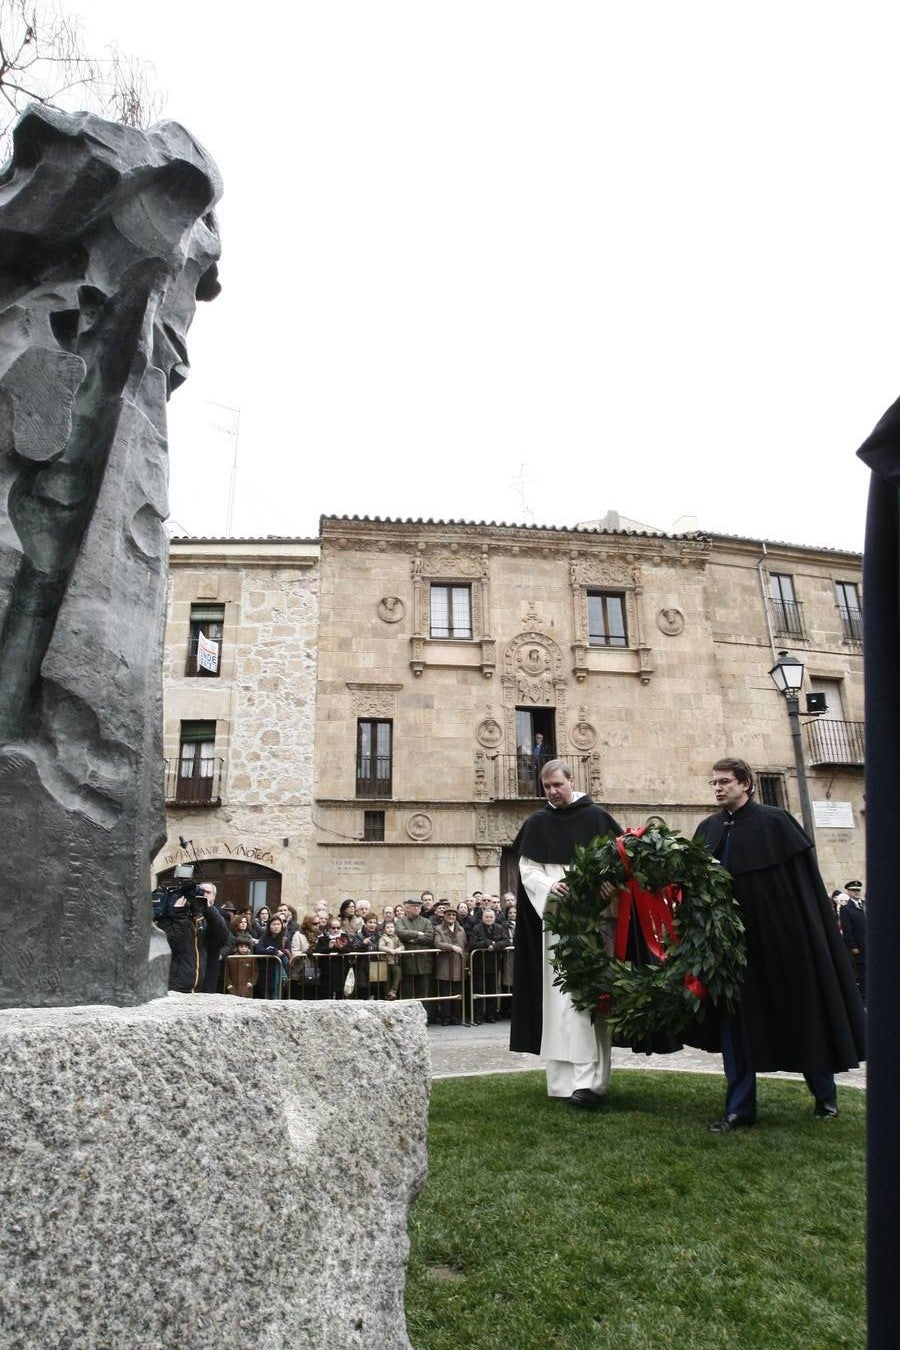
x=585 y=1100
x=729 y=1123
x=826 y=1109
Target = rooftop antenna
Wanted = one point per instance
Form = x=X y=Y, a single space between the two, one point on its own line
x=234 y=431
x=520 y=483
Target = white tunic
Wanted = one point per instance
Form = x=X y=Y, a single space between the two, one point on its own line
x=567 y=1034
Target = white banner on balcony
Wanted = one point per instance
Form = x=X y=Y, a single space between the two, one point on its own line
x=207 y=653
x=833 y=815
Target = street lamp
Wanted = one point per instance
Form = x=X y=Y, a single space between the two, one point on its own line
x=787 y=676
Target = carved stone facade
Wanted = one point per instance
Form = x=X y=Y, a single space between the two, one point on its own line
x=640 y=719
x=366 y=756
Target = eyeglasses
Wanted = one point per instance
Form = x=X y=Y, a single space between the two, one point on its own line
x=721 y=782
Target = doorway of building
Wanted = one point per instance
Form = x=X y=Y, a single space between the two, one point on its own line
x=535 y=744
x=509 y=871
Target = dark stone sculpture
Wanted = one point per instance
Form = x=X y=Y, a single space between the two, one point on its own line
x=107 y=240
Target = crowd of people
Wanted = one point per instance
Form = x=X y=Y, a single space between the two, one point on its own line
x=457 y=959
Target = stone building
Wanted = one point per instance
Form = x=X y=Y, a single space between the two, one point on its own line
x=447 y=649
x=371 y=722
x=239 y=714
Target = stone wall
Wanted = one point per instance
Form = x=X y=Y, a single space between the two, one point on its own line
x=262 y=703
x=204 y=1172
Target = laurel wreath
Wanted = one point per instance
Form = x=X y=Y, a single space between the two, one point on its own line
x=703 y=960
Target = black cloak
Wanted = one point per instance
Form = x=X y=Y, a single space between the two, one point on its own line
x=800 y=1007
x=881 y=632
x=547 y=836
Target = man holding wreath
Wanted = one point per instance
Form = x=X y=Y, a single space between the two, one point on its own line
x=799 y=1008
x=543 y=1020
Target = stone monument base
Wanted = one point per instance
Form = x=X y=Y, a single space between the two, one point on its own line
x=202 y=1172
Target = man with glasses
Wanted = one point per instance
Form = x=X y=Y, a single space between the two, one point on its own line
x=800 y=1009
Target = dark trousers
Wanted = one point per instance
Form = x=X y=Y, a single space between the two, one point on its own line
x=740 y=1095
x=484 y=977
x=419 y=986
x=450 y=1006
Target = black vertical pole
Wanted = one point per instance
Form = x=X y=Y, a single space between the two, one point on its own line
x=793 y=706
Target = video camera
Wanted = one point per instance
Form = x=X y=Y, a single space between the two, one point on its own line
x=185 y=884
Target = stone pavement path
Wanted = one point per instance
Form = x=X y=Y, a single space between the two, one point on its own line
x=460 y=1052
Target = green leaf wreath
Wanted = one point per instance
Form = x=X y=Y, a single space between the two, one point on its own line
x=702 y=960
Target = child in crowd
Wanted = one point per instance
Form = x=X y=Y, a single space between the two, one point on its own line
x=391 y=944
x=370 y=973
x=241 y=970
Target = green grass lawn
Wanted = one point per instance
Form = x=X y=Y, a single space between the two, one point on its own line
x=633 y=1226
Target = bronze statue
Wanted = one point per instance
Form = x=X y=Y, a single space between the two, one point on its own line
x=107 y=240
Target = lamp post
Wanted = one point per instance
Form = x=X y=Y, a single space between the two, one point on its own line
x=787 y=676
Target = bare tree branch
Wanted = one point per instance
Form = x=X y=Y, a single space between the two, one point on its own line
x=42 y=60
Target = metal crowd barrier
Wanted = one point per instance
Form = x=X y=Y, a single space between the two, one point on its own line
x=325 y=975
x=317 y=975
x=482 y=987
x=489 y=983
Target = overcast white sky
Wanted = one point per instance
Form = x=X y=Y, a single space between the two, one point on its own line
x=496 y=260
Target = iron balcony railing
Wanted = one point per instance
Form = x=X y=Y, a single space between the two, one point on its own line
x=787 y=616
x=201 y=786
x=830 y=741
x=373 y=775
x=514 y=777
x=852 y=622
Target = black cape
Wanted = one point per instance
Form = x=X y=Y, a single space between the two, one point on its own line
x=881 y=633
x=547 y=836
x=800 y=1008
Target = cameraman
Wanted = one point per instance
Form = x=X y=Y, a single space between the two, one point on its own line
x=195 y=928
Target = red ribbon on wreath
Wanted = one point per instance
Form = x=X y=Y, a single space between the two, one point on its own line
x=654 y=909
x=655 y=912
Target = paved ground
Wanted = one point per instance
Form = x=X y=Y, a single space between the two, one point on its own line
x=459 y=1052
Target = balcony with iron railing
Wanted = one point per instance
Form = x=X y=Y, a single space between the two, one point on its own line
x=832 y=741
x=201 y=786
x=852 y=623
x=373 y=776
x=514 y=777
x=787 y=618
